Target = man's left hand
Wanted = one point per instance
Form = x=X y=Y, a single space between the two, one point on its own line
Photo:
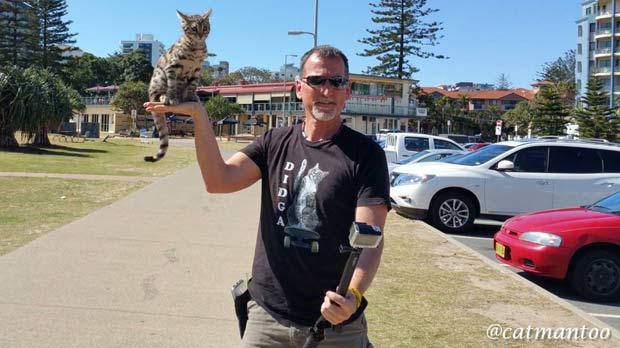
x=336 y=308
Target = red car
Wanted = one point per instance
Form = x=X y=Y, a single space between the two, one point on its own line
x=475 y=146
x=579 y=245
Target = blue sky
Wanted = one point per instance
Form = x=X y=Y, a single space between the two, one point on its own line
x=483 y=38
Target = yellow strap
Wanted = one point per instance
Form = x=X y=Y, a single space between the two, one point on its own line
x=358 y=296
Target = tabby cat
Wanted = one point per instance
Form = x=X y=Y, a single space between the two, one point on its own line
x=175 y=77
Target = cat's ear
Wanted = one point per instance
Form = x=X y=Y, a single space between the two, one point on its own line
x=207 y=14
x=182 y=16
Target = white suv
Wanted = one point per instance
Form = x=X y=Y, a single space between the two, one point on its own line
x=399 y=146
x=506 y=179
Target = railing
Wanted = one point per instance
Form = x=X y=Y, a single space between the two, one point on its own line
x=605 y=50
x=606 y=13
x=604 y=70
x=353 y=107
x=96 y=100
x=603 y=31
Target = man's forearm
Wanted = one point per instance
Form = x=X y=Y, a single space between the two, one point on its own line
x=212 y=165
x=367 y=267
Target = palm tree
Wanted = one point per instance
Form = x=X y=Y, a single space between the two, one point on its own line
x=34 y=101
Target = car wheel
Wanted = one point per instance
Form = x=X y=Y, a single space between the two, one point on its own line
x=596 y=276
x=314 y=247
x=287 y=242
x=452 y=212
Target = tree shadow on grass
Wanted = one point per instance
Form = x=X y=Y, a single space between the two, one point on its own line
x=72 y=149
x=49 y=151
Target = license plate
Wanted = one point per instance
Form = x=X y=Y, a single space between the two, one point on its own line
x=500 y=250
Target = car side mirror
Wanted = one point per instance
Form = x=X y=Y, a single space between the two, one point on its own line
x=505 y=165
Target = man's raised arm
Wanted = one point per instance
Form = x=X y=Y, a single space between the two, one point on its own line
x=219 y=176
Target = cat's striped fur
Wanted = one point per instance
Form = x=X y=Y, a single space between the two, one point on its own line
x=176 y=75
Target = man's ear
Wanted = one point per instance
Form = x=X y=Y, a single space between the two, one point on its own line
x=298 y=88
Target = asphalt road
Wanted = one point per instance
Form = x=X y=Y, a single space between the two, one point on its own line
x=481 y=240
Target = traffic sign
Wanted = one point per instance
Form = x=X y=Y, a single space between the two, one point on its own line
x=498 y=130
x=498 y=123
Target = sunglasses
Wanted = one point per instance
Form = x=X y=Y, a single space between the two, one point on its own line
x=318 y=81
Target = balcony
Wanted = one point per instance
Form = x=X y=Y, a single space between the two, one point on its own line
x=102 y=101
x=603 y=52
x=351 y=107
x=606 y=15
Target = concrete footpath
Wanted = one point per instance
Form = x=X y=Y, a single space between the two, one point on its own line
x=151 y=270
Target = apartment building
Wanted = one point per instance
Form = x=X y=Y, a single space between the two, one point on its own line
x=598 y=35
x=146 y=42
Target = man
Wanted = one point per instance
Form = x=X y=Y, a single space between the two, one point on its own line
x=317 y=177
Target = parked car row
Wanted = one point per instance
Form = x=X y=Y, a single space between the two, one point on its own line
x=547 y=186
x=506 y=179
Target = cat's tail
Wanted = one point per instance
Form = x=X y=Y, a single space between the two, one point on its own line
x=162 y=129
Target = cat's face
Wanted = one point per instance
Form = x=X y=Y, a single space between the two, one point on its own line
x=316 y=174
x=196 y=27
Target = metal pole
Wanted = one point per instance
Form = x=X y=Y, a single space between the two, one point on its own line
x=613 y=56
x=316 y=19
x=284 y=89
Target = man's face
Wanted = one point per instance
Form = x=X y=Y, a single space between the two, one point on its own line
x=323 y=102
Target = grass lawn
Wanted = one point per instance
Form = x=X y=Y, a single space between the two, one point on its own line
x=449 y=297
x=113 y=157
x=34 y=206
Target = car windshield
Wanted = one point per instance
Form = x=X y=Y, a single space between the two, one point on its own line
x=414 y=157
x=479 y=157
x=609 y=204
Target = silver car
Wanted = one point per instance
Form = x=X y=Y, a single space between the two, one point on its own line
x=424 y=156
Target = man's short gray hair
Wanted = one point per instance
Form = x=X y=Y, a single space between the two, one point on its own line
x=325 y=51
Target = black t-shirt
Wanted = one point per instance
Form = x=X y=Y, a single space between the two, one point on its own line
x=309 y=194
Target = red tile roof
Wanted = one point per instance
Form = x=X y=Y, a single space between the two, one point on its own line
x=493 y=95
x=248 y=89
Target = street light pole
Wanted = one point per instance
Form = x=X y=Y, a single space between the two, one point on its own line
x=316 y=22
x=316 y=19
x=284 y=89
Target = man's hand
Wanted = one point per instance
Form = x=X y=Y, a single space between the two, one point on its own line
x=336 y=308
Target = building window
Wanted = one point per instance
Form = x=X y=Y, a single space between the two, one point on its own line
x=592 y=46
x=578 y=67
x=588 y=11
x=105 y=122
x=578 y=48
x=579 y=30
x=592 y=27
x=578 y=85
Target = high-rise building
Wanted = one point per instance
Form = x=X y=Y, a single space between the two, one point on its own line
x=153 y=48
x=596 y=40
x=221 y=69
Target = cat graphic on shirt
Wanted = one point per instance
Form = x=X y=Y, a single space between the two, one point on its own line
x=303 y=211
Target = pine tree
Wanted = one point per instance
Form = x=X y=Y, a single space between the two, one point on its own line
x=550 y=114
x=53 y=32
x=596 y=119
x=503 y=83
x=17 y=38
x=403 y=34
